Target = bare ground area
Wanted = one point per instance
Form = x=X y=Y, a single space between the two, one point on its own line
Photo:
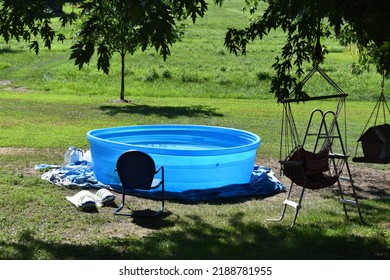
x=371 y=181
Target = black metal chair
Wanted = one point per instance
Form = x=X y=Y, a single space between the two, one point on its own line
x=136 y=171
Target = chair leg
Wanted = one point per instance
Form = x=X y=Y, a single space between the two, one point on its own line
x=159 y=212
x=281 y=215
x=285 y=206
x=288 y=202
x=117 y=210
x=162 y=195
x=297 y=208
x=138 y=214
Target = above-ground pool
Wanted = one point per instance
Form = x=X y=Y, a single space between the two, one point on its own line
x=193 y=156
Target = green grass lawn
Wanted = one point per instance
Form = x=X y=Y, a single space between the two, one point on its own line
x=50 y=105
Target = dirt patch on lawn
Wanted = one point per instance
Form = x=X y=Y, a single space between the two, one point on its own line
x=371 y=181
x=5 y=82
x=8 y=83
x=26 y=167
x=17 y=151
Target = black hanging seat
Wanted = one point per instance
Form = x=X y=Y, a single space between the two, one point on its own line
x=309 y=170
x=375 y=144
x=375 y=141
x=371 y=160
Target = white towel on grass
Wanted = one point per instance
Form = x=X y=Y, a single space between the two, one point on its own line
x=87 y=201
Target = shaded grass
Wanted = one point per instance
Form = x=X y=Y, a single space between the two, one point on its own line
x=55 y=230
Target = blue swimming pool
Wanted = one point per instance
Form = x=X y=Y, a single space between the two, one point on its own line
x=193 y=156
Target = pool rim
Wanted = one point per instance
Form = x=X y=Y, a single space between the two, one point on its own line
x=253 y=139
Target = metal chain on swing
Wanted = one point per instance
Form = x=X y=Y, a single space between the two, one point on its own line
x=383 y=101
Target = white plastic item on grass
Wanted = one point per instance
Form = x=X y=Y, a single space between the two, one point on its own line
x=87 y=156
x=73 y=155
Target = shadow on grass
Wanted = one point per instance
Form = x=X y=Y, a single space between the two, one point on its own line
x=8 y=50
x=371 y=191
x=191 y=237
x=169 y=112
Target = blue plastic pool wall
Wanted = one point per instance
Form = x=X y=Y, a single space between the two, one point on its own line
x=191 y=172
x=227 y=157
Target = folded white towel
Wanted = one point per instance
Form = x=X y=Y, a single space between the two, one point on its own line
x=106 y=197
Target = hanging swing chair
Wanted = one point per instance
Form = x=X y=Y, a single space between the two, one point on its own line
x=375 y=141
x=316 y=167
x=319 y=166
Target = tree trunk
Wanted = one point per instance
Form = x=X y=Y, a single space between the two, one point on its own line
x=122 y=94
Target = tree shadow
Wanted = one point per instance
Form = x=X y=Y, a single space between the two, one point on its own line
x=193 y=237
x=372 y=190
x=6 y=50
x=169 y=112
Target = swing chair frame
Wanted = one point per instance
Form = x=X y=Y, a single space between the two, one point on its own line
x=289 y=129
x=381 y=105
x=316 y=69
x=336 y=163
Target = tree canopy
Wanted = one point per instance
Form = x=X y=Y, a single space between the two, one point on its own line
x=115 y=26
x=30 y=20
x=107 y=26
x=306 y=22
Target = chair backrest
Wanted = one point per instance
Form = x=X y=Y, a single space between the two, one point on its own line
x=136 y=170
x=307 y=169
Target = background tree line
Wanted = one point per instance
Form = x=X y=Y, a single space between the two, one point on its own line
x=125 y=26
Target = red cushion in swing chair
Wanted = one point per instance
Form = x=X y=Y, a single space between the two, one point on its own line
x=306 y=169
